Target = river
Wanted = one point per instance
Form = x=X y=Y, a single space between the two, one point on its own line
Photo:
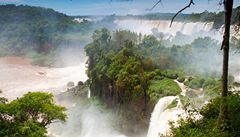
x=18 y=77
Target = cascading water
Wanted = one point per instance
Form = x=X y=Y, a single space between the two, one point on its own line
x=161 y=116
x=145 y=26
x=161 y=29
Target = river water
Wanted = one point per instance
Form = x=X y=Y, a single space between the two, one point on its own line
x=18 y=76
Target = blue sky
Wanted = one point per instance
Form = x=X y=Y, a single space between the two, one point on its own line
x=106 y=7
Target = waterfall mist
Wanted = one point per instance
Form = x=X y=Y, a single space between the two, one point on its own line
x=86 y=120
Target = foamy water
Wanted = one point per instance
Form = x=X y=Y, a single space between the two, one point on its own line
x=161 y=29
x=161 y=116
x=18 y=77
x=146 y=26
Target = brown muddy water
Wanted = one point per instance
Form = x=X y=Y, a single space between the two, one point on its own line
x=18 y=76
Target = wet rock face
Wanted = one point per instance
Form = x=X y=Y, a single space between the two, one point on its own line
x=80 y=84
x=70 y=84
x=41 y=73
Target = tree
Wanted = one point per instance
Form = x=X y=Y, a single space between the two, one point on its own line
x=228 y=6
x=29 y=115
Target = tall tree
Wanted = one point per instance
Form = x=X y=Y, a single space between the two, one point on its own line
x=228 y=5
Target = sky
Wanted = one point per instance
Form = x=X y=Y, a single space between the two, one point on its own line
x=120 y=7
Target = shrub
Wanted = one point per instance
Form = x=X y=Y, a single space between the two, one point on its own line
x=207 y=126
x=170 y=74
x=181 y=79
x=173 y=104
x=195 y=83
x=164 y=87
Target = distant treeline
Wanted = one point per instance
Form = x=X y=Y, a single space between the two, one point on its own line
x=25 y=28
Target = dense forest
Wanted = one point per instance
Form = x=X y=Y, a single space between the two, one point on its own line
x=133 y=71
x=37 y=32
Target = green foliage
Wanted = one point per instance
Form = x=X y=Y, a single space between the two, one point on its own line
x=35 y=30
x=29 y=115
x=191 y=94
x=207 y=126
x=172 y=74
x=176 y=60
x=22 y=27
x=173 y=104
x=161 y=88
x=126 y=69
x=212 y=87
x=150 y=41
x=181 y=79
x=184 y=100
x=195 y=83
x=126 y=65
x=114 y=60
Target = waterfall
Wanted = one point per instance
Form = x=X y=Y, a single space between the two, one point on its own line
x=161 y=29
x=161 y=116
x=146 y=26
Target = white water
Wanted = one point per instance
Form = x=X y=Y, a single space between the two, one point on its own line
x=146 y=26
x=160 y=118
x=96 y=124
x=175 y=33
x=159 y=122
x=182 y=87
x=18 y=77
x=85 y=121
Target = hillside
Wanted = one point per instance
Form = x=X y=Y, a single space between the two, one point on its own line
x=27 y=28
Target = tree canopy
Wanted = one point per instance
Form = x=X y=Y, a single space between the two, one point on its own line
x=29 y=115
